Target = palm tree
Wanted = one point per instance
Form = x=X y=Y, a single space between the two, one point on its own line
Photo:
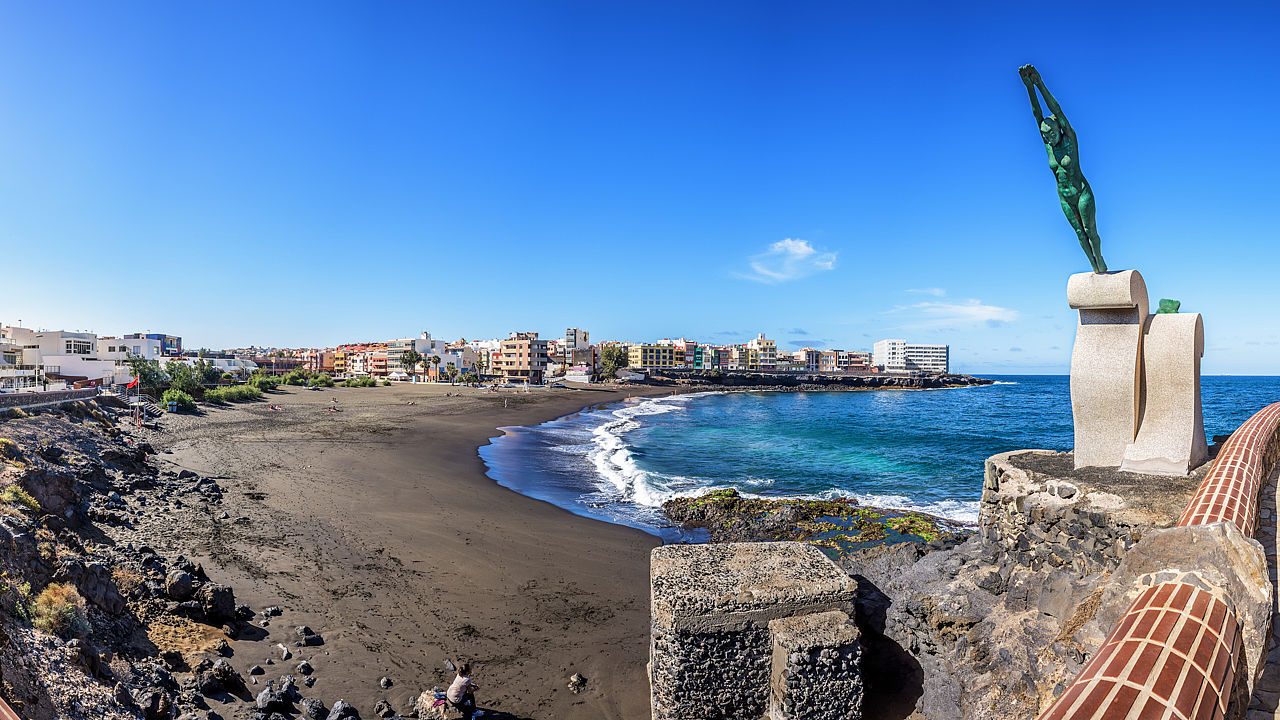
x=410 y=359
x=435 y=360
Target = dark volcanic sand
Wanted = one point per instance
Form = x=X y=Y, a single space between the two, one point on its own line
x=377 y=527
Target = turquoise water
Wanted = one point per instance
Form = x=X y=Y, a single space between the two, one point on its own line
x=921 y=450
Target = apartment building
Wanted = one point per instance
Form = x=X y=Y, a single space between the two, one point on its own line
x=19 y=366
x=524 y=359
x=575 y=340
x=763 y=354
x=854 y=361
x=809 y=359
x=900 y=356
x=654 y=355
x=170 y=345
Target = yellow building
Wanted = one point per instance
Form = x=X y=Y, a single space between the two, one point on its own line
x=654 y=356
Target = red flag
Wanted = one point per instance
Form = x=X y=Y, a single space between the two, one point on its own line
x=134 y=383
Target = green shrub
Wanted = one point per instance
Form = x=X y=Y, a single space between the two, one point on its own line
x=359 y=382
x=9 y=449
x=186 y=403
x=265 y=383
x=232 y=393
x=296 y=377
x=322 y=380
x=59 y=610
x=386 y=383
x=14 y=495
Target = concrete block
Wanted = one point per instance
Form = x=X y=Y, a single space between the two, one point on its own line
x=816 y=670
x=711 y=648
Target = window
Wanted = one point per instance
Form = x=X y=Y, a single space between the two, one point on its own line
x=78 y=347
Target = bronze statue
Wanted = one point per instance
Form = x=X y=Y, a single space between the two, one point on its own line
x=1064 y=160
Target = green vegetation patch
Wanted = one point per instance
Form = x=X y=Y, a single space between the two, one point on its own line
x=14 y=495
x=231 y=393
x=838 y=525
x=265 y=383
x=185 y=402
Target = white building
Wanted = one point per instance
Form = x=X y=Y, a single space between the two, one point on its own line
x=63 y=357
x=19 y=366
x=461 y=358
x=902 y=356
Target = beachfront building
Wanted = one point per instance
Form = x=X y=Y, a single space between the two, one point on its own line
x=321 y=361
x=901 y=356
x=170 y=345
x=788 y=362
x=808 y=359
x=575 y=340
x=763 y=354
x=19 y=366
x=523 y=359
x=854 y=361
x=72 y=357
x=653 y=355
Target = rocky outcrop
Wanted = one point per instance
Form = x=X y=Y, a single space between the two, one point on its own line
x=836 y=524
x=744 y=380
x=999 y=625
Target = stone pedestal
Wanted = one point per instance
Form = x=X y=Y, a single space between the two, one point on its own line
x=816 y=672
x=712 y=646
x=1106 y=363
x=1170 y=437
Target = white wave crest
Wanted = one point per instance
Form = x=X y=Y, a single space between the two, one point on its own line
x=623 y=480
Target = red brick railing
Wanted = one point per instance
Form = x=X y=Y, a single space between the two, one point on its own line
x=6 y=712
x=1175 y=651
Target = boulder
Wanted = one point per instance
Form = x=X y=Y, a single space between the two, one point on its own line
x=94 y=582
x=314 y=709
x=272 y=700
x=178 y=585
x=219 y=602
x=341 y=710
x=1216 y=556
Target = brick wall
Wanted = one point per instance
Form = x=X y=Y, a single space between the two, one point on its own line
x=1176 y=650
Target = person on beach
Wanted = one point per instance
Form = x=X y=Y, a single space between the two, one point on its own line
x=461 y=693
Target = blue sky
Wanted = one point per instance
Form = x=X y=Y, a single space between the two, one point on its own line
x=304 y=174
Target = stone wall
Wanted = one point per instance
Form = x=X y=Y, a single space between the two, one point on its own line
x=44 y=399
x=1043 y=514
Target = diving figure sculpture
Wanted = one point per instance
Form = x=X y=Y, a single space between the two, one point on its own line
x=1064 y=160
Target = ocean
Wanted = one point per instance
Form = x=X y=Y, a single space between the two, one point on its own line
x=911 y=449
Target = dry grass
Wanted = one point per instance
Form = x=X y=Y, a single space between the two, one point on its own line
x=127 y=581
x=59 y=610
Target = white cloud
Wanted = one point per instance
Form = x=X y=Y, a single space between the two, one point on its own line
x=788 y=260
x=936 y=292
x=970 y=313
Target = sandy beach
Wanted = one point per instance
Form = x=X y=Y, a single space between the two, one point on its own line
x=377 y=527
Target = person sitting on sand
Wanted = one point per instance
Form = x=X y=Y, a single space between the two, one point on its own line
x=461 y=693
